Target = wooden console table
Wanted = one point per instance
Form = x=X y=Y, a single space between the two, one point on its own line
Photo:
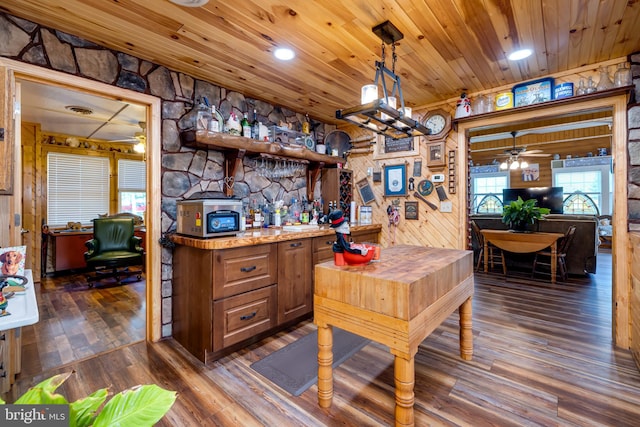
x=397 y=302
x=522 y=243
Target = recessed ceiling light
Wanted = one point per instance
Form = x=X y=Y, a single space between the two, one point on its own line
x=519 y=54
x=190 y=3
x=284 y=53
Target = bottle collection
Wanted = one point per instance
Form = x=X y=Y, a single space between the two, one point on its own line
x=259 y=213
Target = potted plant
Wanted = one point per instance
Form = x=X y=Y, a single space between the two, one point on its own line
x=139 y=406
x=520 y=214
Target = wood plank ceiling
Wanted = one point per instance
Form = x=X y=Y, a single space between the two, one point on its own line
x=448 y=46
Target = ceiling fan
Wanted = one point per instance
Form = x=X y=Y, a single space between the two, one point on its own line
x=522 y=150
x=138 y=138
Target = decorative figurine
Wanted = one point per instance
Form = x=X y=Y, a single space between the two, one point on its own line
x=355 y=253
x=4 y=302
x=463 y=106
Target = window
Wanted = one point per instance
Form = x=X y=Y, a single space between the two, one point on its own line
x=77 y=188
x=488 y=184
x=132 y=185
x=595 y=181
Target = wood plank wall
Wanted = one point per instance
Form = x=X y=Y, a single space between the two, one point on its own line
x=634 y=302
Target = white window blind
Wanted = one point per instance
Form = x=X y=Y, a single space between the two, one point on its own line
x=77 y=188
x=132 y=175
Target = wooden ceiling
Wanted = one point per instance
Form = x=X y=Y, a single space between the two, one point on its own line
x=448 y=46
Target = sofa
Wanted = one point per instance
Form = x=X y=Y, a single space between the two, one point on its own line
x=581 y=256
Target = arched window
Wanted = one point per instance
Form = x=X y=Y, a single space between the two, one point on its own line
x=579 y=203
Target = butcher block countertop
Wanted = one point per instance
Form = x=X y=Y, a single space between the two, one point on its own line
x=264 y=235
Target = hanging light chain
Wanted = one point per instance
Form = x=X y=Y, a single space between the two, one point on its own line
x=382 y=55
x=394 y=57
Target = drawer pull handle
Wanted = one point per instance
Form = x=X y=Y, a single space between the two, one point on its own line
x=249 y=316
x=248 y=269
x=295 y=245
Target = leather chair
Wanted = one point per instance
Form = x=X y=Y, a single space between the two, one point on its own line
x=495 y=254
x=113 y=249
x=561 y=255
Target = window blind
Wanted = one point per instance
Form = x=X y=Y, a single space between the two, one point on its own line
x=132 y=175
x=77 y=188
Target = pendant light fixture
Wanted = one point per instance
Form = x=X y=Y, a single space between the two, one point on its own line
x=385 y=115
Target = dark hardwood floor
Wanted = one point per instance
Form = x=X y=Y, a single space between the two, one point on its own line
x=543 y=356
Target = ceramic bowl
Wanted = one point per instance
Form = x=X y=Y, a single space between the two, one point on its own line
x=356 y=259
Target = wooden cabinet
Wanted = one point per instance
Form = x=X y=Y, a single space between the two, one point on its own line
x=295 y=290
x=337 y=186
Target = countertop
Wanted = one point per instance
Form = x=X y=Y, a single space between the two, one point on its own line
x=23 y=307
x=262 y=236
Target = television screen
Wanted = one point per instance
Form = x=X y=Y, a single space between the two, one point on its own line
x=547 y=197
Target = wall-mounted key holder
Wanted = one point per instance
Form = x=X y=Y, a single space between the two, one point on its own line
x=452 y=171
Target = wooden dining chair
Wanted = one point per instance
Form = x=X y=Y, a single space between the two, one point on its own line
x=561 y=255
x=495 y=254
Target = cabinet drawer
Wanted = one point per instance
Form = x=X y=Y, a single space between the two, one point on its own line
x=365 y=236
x=323 y=248
x=240 y=270
x=242 y=316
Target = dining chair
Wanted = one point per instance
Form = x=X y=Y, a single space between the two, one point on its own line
x=495 y=254
x=561 y=254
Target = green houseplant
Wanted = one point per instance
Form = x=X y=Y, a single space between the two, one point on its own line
x=140 y=406
x=520 y=214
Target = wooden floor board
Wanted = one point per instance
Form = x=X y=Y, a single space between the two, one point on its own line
x=543 y=356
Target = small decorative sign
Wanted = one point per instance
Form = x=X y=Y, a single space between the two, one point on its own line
x=366 y=193
x=417 y=167
x=410 y=210
x=533 y=92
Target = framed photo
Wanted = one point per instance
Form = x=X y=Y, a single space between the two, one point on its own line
x=531 y=172
x=12 y=260
x=395 y=180
x=435 y=155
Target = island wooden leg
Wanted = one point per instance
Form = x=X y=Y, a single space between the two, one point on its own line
x=554 y=250
x=404 y=381
x=466 y=331
x=325 y=362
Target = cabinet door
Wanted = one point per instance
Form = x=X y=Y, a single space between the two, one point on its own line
x=295 y=291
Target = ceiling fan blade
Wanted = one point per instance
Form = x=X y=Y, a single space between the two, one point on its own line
x=536 y=151
x=535 y=155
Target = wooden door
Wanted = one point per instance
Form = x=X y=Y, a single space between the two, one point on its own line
x=295 y=293
x=9 y=170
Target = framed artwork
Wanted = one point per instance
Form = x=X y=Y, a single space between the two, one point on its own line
x=12 y=260
x=389 y=148
x=410 y=210
x=435 y=155
x=366 y=193
x=395 y=180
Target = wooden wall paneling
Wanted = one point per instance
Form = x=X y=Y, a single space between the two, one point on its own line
x=32 y=239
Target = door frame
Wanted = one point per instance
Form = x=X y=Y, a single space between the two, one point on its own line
x=620 y=253
x=153 y=223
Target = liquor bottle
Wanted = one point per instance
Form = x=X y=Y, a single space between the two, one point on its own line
x=217 y=122
x=255 y=126
x=246 y=126
x=233 y=125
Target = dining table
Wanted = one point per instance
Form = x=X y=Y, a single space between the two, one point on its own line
x=519 y=242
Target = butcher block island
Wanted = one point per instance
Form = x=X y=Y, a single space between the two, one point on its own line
x=396 y=302
x=231 y=291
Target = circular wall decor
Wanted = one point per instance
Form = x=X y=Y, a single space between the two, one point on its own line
x=425 y=187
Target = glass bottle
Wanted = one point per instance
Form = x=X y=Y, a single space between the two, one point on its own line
x=246 y=126
x=216 y=124
x=203 y=115
x=591 y=87
x=581 y=87
x=255 y=126
x=605 y=81
x=622 y=76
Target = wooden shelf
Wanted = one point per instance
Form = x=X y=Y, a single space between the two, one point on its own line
x=552 y=103
x=235 y=148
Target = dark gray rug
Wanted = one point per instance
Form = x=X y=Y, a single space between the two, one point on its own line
x=295 y=367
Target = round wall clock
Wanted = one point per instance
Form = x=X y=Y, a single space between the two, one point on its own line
x=439 y=123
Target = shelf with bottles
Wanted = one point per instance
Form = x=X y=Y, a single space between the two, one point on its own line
x=235 y=148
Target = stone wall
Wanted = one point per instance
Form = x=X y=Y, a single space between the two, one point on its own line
x=184 y=170
x=633 y=123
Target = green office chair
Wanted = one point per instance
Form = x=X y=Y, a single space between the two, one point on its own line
x=113 y=249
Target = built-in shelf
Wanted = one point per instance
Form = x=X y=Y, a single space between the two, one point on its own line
x=235 y=148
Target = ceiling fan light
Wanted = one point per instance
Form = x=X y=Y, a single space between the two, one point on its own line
x=523 y=164
x=190 y=3
x=519 y=54
x=504 y=166
x=514 y=165
x=139 y=147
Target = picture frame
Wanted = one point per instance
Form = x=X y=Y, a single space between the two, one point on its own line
x=13 y=260
x=435 y=155
x=411 y=210
x=366 y=193
x=384 y=149
x=533 y=92
x=395 y=180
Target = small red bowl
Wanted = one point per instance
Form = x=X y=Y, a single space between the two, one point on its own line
x=357 y=259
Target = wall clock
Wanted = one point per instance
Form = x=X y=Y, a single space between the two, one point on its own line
x=439 y=123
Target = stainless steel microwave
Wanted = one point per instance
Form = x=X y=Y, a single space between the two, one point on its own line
x=206 y=218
